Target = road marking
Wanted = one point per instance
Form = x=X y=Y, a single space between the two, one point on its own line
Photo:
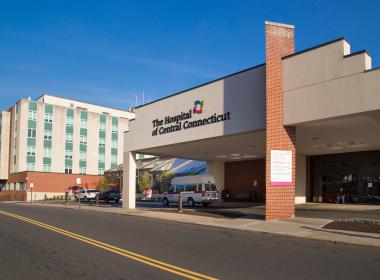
x=131 y=255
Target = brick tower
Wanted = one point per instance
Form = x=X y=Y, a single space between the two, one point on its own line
x=280 y=195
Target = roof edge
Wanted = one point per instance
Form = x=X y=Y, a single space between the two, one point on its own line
x=279 y=24
x=315 y=47
x=82 y=101
x=357 y=53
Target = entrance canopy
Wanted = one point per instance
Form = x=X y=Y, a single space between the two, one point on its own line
x=360 y=132
x=244 y=146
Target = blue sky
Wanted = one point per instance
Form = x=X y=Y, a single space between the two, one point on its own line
x=107 y=51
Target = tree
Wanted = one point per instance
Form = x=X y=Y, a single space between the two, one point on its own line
x=166 y=179
x=104 y=184
x=144 y=182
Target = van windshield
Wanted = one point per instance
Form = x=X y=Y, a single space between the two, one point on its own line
x=210 y=187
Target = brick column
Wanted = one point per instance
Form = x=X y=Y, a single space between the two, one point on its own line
x=280 y=200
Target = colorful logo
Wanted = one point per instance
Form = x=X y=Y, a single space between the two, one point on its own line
x=198 y=107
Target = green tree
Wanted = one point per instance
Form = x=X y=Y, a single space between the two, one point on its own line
x=104 y=184
x=166 y=179
x=144 y=181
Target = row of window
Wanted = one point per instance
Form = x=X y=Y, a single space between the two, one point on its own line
x=82 y=170
x=32 y=167
x=83 y=140
x=69 y=138
x=68 y=169
x=13 y=186
x=70 y=121
x=47 y=134
x=83 y=124
x=83 y=156
x=31 y=151
x=33 y=116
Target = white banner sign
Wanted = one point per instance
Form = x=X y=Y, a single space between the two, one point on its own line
x=281 y=168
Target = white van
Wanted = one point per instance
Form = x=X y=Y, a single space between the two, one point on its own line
x=197 y=189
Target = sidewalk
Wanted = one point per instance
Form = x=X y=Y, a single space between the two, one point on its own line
x=296 y=227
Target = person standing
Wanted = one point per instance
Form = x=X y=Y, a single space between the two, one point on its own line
x=341 y=196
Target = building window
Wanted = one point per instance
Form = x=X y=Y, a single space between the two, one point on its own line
x=68 y=169
x=102 y=126
x=47 y=152
x=83 y=156
x=101 y=171
x=69 y=138
x=114 y=128
x=114 y=144
x=31 y=166
x=69 y=121
x=31 y=151
x=69 y=154
x=101 y=157
x=83 y=139
x=32 y=115
x=48 y=118
x=114 y=159
x=31 y=133
x=82 y=170
x=83 y=123
x=102 y=142
x=47 y=167
x=47 y=135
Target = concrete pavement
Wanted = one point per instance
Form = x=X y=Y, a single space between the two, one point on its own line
x=310 y=228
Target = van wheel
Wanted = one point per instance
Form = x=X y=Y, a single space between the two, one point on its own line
x=190 y=202
x=165 y=202
x=205 y=204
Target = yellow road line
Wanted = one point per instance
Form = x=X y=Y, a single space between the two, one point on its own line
x=137 y=257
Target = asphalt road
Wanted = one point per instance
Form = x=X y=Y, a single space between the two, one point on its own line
x=29 y=251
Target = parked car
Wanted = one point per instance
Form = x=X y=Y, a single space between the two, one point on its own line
x=86 y=194
x=109 y=195
x=197 y=189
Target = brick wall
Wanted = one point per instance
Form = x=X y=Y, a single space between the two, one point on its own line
x=54 y=182
x=279 y=43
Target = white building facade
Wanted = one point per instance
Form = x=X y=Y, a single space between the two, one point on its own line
x=54 y=135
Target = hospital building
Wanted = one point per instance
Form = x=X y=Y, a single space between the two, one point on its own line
x=298 y=128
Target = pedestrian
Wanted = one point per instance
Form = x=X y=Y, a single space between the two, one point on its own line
x=340 y=196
